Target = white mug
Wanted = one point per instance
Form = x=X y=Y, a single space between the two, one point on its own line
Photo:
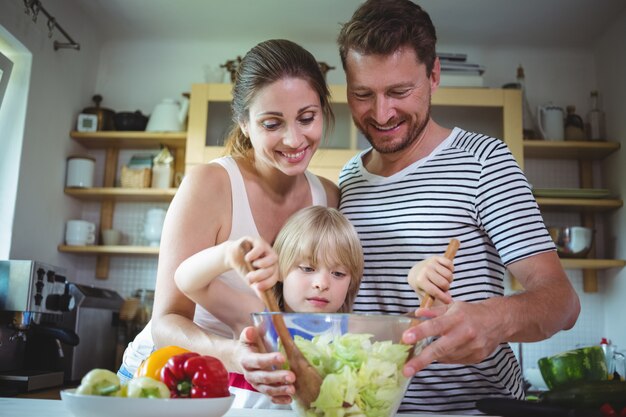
x=80 y=233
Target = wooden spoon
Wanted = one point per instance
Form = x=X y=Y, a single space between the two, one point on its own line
x=453 y=246
x=308 y=380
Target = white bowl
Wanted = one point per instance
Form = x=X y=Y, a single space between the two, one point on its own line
x=98 y=406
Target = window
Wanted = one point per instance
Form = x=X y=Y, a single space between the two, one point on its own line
x=6 y=65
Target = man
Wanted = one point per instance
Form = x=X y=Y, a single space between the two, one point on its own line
x=422 y=184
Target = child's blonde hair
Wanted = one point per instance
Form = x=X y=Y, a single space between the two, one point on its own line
x=320 y=234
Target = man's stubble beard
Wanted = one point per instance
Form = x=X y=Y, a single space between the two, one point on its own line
x=412 y=136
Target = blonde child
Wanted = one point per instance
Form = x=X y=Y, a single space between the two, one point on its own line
x=314 y=266
x=432 y=276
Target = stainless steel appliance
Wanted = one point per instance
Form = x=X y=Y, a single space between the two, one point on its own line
x=95 y=320
x=32 y=296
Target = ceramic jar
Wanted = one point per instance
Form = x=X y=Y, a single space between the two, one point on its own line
x=153 y=226
x=80 y=171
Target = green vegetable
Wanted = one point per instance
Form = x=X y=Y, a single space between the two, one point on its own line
x=588 y=395
x=568 y=368
x=146 y=387
x=361 y=377
x=99 y=382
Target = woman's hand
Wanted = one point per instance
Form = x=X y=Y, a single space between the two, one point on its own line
x=264 y=370
x=258 y=266
x=432 y=276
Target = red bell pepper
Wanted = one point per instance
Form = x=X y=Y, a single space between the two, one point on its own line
x=191 y=375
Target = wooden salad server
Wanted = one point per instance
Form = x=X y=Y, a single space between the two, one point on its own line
x=308 y=380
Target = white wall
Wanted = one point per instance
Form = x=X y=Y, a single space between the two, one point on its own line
x=61 y=83
x=136 y=75
x=610 y=57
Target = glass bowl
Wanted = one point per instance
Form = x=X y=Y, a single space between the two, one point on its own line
x=359 y=356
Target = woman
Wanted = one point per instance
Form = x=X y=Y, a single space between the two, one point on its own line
x=280 y=103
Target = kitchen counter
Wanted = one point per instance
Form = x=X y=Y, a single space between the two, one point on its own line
x=26 y=407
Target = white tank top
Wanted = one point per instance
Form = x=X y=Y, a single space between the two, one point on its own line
x=242 y=225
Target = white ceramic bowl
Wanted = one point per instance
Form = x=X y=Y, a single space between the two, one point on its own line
x=97 y=406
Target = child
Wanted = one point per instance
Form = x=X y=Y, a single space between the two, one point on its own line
x=315 y=266
x=432 y=276
x=317 y=251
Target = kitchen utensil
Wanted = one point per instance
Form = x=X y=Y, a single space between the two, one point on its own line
x=572 y=241
x=169 y=116
x=308 y=380
x=510 y=407
x=105 y=116
x=453 y=246
x=130 y=121
x=571 y=192
x=80 y=171
x=551 y=122
x=103 y=406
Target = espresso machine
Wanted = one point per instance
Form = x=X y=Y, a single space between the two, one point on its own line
x=33 y=298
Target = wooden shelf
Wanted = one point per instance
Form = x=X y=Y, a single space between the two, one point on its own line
x=130 y=140
x=547 y=149
x=592 y=263
x=122 y=194
x=579 y=204
x=110 y=250
x=108 y=195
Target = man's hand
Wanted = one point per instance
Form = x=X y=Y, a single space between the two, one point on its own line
x=262 y=370
x=467 y=334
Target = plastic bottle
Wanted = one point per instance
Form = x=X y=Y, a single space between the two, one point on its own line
x=595 y=119
x=528 y=119
x=608 y=350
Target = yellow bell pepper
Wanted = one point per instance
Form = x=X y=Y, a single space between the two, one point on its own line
x=151 y=367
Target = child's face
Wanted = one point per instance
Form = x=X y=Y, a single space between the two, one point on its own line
x=309 y=288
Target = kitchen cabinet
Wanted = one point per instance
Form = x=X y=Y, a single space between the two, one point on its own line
x=586 y=152
x=112 y=142
x=209 y=106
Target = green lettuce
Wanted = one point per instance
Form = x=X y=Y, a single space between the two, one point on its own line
x=361 y=377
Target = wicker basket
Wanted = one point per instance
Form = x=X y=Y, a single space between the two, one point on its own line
x=135 y=178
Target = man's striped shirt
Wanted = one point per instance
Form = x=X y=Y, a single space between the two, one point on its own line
x=469 y=188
